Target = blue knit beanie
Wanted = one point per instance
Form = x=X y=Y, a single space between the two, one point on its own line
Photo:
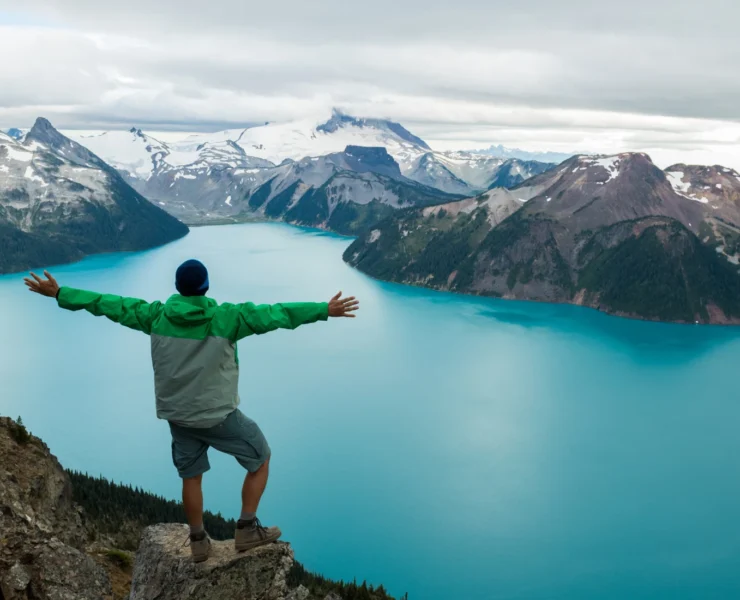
x=191 y=278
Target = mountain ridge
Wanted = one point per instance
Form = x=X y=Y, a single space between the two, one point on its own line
x=543 y=240
x=142 y=157
x=60 y=202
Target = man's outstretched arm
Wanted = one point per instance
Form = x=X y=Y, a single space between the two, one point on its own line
x=129 y=312
x=263 y=318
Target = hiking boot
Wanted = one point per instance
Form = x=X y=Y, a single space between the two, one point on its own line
x=250 y=534
x=200 y=546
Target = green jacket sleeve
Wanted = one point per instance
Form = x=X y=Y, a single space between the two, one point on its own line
x=129 y=312
x=248 y=318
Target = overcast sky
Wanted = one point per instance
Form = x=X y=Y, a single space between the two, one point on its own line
x=573 y=75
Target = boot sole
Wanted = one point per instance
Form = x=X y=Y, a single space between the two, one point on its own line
x=257 y=544
x=200 y=559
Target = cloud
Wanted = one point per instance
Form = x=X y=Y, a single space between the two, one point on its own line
x=587 y=75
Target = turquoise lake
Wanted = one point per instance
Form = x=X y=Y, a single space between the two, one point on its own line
x=445 y=446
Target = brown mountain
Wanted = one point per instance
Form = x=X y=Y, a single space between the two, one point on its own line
x=718 y=188
x=607 y=232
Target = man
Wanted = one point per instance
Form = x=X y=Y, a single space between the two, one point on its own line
x=196 y=374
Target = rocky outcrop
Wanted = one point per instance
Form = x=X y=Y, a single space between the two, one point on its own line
x=42 y=536
x=50 y=549
x=164 y=569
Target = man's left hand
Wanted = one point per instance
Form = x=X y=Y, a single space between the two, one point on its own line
x=48 y=287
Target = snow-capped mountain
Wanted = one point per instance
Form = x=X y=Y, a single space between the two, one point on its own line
x=59 y=201
x=142 y=157
x=500 y=151
x=469 y=173
x=299 y=139
x=367 y=181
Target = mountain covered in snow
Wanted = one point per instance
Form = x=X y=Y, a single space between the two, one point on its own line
x=149 y=163
x=468 y=173
x=500 y=151
x=611 y=232
x=343 y=191
x=59 y=202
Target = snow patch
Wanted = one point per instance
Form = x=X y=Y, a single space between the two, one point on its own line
x=19 y=154
x=374 y=236
x=29 y=174
x=610 y=164
x=681 y=187
x=718 y=186
x=675 y=178
x=228 y=201
x=548 y=199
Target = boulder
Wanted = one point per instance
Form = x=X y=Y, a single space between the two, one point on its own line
x=164 y=569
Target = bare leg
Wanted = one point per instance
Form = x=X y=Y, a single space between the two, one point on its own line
x=254 y=486
x=192 y=499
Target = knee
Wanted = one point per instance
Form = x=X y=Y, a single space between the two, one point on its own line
x=193 y=480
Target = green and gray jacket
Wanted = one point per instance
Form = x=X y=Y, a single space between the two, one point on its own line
x=196 y=367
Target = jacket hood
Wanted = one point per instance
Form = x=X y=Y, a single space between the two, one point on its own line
x=192 y=310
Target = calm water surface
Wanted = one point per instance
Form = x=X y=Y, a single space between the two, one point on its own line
x=451 y=447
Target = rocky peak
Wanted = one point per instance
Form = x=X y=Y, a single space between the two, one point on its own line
x=340 y=120
x=41 y=532
x=371 y=158
x=43 y=132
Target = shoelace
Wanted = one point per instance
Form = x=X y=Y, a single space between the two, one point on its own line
x=261 y=531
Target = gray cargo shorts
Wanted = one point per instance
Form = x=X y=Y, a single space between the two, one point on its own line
x=237 y=435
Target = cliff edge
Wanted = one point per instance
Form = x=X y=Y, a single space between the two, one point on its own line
x=51 y=548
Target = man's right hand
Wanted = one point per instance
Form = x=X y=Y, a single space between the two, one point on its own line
x=343 y=307
x=48 y=287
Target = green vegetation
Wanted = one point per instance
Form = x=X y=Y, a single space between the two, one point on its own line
x=388 y=257
x=311 y=210
x=111 y=507
x=417 y=194
x=349 y=218
x=320 y=586
x=19 y=432
x=262 y=193
x=506 y=234
x=450 y=247
x=121 y=559
x=663 y=273
x=281 y=201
